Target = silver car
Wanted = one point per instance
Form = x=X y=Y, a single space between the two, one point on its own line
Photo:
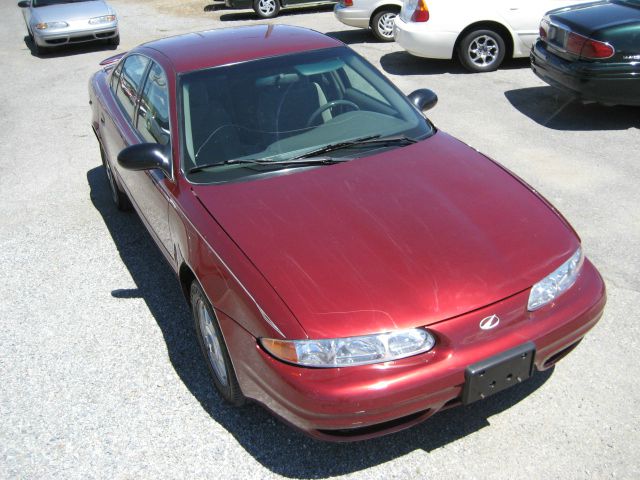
x=52 y=23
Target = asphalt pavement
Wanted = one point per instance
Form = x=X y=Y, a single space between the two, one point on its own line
x=100 y=376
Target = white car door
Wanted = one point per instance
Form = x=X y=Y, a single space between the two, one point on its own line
x=523 y=16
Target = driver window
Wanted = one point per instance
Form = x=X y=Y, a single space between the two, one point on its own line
x=153 y=111
x=132 y=74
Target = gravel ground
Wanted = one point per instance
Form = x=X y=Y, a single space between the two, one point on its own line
x=100 y=373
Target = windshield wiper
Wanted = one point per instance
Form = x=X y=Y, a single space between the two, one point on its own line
x=357 y=142
x=293 y=161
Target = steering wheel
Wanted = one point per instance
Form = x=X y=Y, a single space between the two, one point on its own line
x=327 y=106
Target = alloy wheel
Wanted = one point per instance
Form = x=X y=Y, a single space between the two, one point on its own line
x=483 y=50
x=212 y=342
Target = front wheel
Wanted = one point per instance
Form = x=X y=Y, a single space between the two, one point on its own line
x=481 y=51
x=382 y=25
x=119 y=198
x=115 y=41
x=266 y=8
x=213 y=347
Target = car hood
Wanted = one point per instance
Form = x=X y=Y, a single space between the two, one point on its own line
x=71 y=11
x=400 y=239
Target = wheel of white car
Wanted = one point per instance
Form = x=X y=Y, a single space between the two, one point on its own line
x=266 y=8
x=481 y=50
x=382 y=24
x=213 y=347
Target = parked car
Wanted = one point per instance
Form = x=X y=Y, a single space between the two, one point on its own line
x=348 y=265
x=592 y=51
x=53 y=23
x=481 y=34
x=375 y=14
x=271 y=8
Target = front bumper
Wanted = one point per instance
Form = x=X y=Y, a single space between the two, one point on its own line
x=354 y=403
x=67 y=35
x=608 y=83
x=422 y=41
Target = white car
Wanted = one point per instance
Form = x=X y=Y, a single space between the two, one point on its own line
x=53 y=23
x=482 y=34
x=375 y=14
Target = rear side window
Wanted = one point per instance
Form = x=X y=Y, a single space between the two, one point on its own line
x=130 y=79
x=115 y=78
x=153 y=112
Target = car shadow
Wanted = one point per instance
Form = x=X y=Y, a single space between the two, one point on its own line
x=402 y=63
x=214 y=7
x=553 y=109
x=352 y=37
x=69 y=49
x=286 y=12
x=278 y=447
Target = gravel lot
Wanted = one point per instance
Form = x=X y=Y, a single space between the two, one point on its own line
x=99 y=371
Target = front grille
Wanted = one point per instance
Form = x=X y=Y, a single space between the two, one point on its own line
x=84 y=38
x=558 y=356
x=377 y=428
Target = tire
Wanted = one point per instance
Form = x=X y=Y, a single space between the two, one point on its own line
x=38 y=50
x=115 y=41
x=119 y=198
x=382 y=25
x=266 y=8
x=213 y=347
x=481 y=51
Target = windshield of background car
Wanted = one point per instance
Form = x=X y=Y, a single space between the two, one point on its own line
x=279 y=108
x=45 y=3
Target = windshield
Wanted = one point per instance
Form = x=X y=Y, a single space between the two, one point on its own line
x=282 y=108
x=45 y=3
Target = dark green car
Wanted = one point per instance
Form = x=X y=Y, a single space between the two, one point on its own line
x=592 y=51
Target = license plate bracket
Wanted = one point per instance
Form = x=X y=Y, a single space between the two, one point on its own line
x=497 y=373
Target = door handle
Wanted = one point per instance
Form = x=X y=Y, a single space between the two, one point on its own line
x=102 y=119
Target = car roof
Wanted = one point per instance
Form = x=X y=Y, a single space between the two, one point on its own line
x=199 y=50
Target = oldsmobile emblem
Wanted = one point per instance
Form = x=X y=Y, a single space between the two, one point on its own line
x=490 y=322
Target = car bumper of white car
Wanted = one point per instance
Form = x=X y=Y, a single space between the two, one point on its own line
x=64 y=36
x=352 y=16
x=419 y=40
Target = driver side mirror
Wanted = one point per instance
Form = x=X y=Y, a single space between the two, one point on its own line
x=423 y=99
x=146 y=156
x=24 y=4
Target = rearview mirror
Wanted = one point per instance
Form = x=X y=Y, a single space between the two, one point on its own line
x=145 y=156
x=24 y=4
x=423 y=99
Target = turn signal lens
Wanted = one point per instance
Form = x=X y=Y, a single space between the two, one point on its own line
x=351 y=351
x=588 y=48
x=347 y=3
x=421 y=13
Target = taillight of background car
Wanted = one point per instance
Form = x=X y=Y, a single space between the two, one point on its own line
x=574 y=43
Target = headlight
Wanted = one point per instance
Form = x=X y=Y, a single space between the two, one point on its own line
x=103 y=19
x=558 y=282
x=351 y=351
x=51 y=25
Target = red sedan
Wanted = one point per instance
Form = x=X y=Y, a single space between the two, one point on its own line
x=349 y=266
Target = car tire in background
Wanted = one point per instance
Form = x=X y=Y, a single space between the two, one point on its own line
x=213 y=347
x=266 y=8
x=481 y=50
x=115 y=41
x=119 y=198
x=382 y=23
